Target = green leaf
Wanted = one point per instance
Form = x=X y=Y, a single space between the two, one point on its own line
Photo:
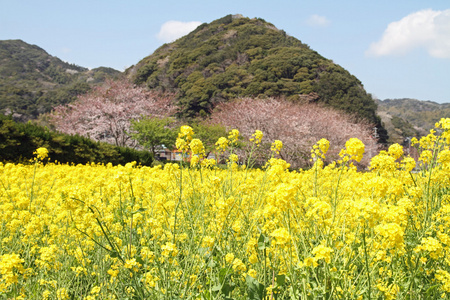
x=222 y=274
x=216 y=288
x=280 y=280
x=431 y=290
x=139 y=210
x=212 y=263
x=263 y=242
x=255 y=288
x=228 y=287
x=140 y=260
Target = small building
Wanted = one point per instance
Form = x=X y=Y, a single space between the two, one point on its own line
x=165 y=154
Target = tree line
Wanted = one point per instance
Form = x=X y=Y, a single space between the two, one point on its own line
x=18 y=141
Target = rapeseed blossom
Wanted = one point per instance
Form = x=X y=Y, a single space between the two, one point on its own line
x=233 y=158
x=41 y=153
x=276 y=147
x=320 y=149
x=257 y=137
x=322 y=252
x=11 y=267
x=281 y=236
x=92 y=231
x=197 y=147
x=186 y=132
x=354 y=149
x=222 y=144
x=184 y=138
x=233 y=136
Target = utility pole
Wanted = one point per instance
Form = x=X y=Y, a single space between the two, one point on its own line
x=408 y=140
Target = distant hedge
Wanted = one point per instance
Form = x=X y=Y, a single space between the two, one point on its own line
x=18 y=141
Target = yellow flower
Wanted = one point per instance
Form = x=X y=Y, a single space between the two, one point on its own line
x=208 y=242
x=426 y=156
x=395 y=150
x=432 y=245
x=252 y=272
x=132 y=264
x=197 y=147
x=444 y=123
x=186 y=132
x=233 y=158
x=281 y=236
x=181 y=145
x=238 y=265
x=150 y=279
x=46 y=294
x=444 y=156
x=184 y=138
x=277 y=145
x=41 y=153
x=253 y=258
x=320 y=148
x=408 y=163
x=383 y=162
x=194 y=160
x=354 y=148
x=257 y=137
x=322 y=252
x=62 y=294
x=146 y=253
x=169 y=249
x=229 y=257
x=444 y=278
x=209 y=162
x=310 y=262
x=222 y=144
x=10 y=266
x=233 y=135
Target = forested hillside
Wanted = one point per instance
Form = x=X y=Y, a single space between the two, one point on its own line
x=241 y=57
x=32 y=82
x=405 y=117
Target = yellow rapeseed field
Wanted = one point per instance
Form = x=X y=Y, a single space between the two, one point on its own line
x=203 y=232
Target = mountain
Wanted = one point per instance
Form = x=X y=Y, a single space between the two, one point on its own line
x=33 y=82
x=237 y=57
x=406 y=117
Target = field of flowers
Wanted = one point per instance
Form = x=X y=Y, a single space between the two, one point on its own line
x=204 y=232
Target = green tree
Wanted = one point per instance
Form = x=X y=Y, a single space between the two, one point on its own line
x=209 y=134
x=152 y=133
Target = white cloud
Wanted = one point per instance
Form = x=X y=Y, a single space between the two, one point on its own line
x=173 y=30
x=317 y=21
x=426 y=29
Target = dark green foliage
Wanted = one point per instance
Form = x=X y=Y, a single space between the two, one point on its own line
x=238 y=57
x=18 y=141
x=33 y=82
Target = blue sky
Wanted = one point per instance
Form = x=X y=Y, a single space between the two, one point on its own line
x=398 y=49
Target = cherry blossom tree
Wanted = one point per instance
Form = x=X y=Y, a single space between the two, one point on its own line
x=105 y=113
x=298 y=126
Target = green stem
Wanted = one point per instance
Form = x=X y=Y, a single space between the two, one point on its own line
x=367 y=260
